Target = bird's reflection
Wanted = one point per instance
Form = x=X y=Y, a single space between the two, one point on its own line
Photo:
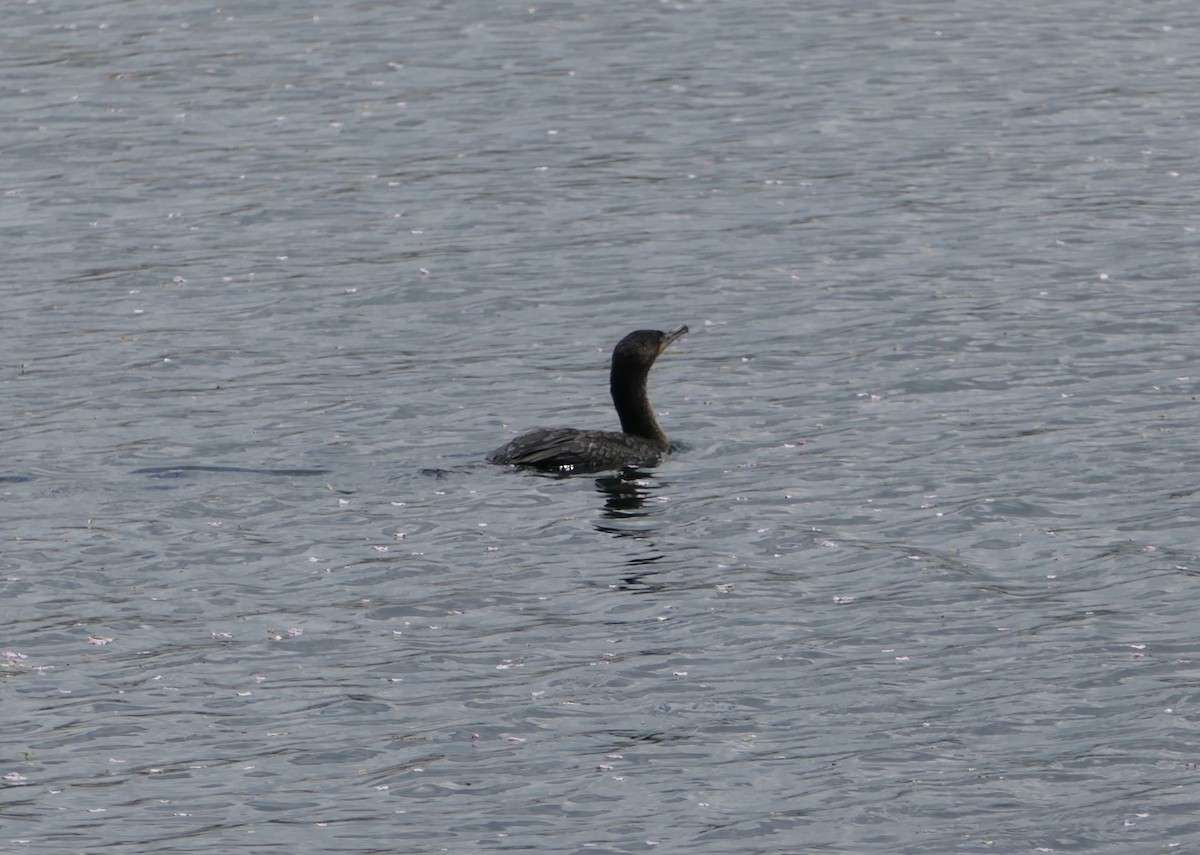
x=631 y=498
x=640 y=580
x=626 y=494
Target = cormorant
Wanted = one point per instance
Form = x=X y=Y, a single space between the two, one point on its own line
x=640 y=442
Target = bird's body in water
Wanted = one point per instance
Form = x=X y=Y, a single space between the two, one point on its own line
x=640 y=442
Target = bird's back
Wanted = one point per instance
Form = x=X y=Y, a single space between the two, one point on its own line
x=570 y=449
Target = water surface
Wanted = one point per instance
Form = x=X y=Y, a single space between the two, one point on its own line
x=921 y=577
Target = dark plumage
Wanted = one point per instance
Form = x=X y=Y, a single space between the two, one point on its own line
x=641 y=442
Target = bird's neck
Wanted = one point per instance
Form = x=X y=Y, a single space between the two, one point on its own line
x=633 y=406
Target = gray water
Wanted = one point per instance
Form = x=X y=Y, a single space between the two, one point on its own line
x=921 y=577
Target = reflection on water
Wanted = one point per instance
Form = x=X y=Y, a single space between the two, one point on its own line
x=642 y=581
x=630 y=508
x=626 y=495
x=626 y=491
